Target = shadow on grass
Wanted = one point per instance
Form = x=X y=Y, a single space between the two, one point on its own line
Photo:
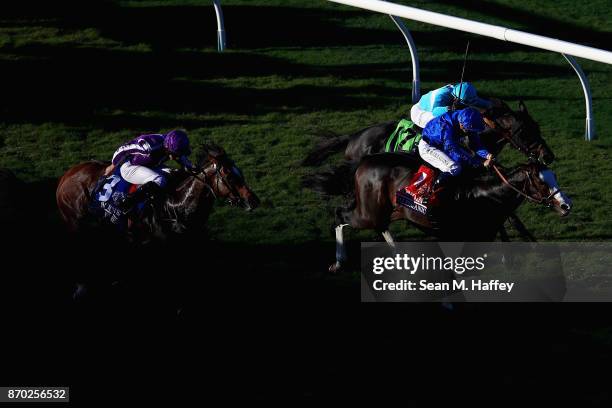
x=114 y=88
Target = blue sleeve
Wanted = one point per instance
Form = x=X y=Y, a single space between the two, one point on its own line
x=451 y=147
x=476 y=145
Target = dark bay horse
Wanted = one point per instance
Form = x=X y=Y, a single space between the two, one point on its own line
x=504 y=126
x=186 y=206
x=475 y=210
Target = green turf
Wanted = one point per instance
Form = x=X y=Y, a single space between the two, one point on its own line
x=79 y=79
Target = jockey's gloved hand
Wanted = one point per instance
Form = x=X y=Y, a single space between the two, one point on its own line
x=489 y=161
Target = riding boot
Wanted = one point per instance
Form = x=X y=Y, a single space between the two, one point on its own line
x=150 y=191
x=440 y=184
x=441 y=181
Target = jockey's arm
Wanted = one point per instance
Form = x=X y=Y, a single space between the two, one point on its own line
x=440 y=110
x=452 y=148
x=476 y=146
x=185 y=162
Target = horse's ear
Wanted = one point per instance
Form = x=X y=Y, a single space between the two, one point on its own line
x=213 y=150
x=522 y=107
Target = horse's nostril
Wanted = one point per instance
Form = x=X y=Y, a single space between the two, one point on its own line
x=565 y=207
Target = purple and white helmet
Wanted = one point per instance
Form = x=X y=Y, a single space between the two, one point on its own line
x=176 y=142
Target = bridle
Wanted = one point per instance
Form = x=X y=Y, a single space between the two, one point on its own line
x=510 y=136
x=546 y=201
x=214 y=186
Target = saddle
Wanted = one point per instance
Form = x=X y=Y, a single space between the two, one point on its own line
x=106 y=196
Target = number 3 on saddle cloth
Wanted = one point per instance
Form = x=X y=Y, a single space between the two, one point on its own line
x=106 y=197
x=418 y=194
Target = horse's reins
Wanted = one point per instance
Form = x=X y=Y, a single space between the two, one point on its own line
x=545 y=201
x=216 y=184
x=510 y=138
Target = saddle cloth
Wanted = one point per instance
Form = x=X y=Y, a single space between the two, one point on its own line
x=108 y=194
x=404 y=138
x=418 y=195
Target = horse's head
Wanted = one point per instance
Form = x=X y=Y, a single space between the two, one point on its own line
x=521 y=131
x=226 y=180
x=541 y=186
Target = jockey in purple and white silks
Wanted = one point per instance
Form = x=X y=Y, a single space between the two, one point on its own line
x=441 y=144
x=141 y=161
x=440 y=101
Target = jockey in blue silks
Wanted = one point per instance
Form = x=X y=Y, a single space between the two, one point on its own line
x=441 y=144
x=440 y=101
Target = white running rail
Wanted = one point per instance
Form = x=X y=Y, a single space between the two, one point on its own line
x=220 y=26
x=500 y=33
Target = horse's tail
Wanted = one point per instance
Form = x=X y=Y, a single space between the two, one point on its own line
x=325 y=148
x=336 y=181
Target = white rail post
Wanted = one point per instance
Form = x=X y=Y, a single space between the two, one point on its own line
x=220 y=26
x=589 y=133
x=416 y=76
x=566 y=48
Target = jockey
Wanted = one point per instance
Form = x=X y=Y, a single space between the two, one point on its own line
x=141 y=160
x=441 y=147
x=441 y=100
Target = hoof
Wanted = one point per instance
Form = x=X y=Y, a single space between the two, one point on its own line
x=335 y=267
x=80 y=292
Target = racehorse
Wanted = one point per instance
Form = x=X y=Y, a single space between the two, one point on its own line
x=185 y=208
x=475 y=211
x=504 y=126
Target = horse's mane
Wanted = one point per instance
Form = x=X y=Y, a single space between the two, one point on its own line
x=209 y=150
x=475 y=181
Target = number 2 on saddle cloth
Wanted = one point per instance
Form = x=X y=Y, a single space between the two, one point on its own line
x=418 y=195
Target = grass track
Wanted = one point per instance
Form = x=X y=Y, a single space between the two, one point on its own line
x=79 y=79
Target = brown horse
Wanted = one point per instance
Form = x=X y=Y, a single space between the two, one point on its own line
x=188 y=202
x=475 y=211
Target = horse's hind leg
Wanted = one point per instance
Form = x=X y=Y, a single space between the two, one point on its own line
x=349 y=217
x=341 y=255
x=389 y=238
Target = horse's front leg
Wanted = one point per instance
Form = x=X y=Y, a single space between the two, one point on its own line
x=520 y=227
x=503 y=234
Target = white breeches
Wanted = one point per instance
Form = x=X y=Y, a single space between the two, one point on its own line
x=419 y=116
x=141 y=174
x=438 y=158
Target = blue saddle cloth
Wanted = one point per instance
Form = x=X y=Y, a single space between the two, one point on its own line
x=107 y=196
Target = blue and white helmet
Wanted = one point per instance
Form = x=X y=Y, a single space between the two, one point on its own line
x=466 y=93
